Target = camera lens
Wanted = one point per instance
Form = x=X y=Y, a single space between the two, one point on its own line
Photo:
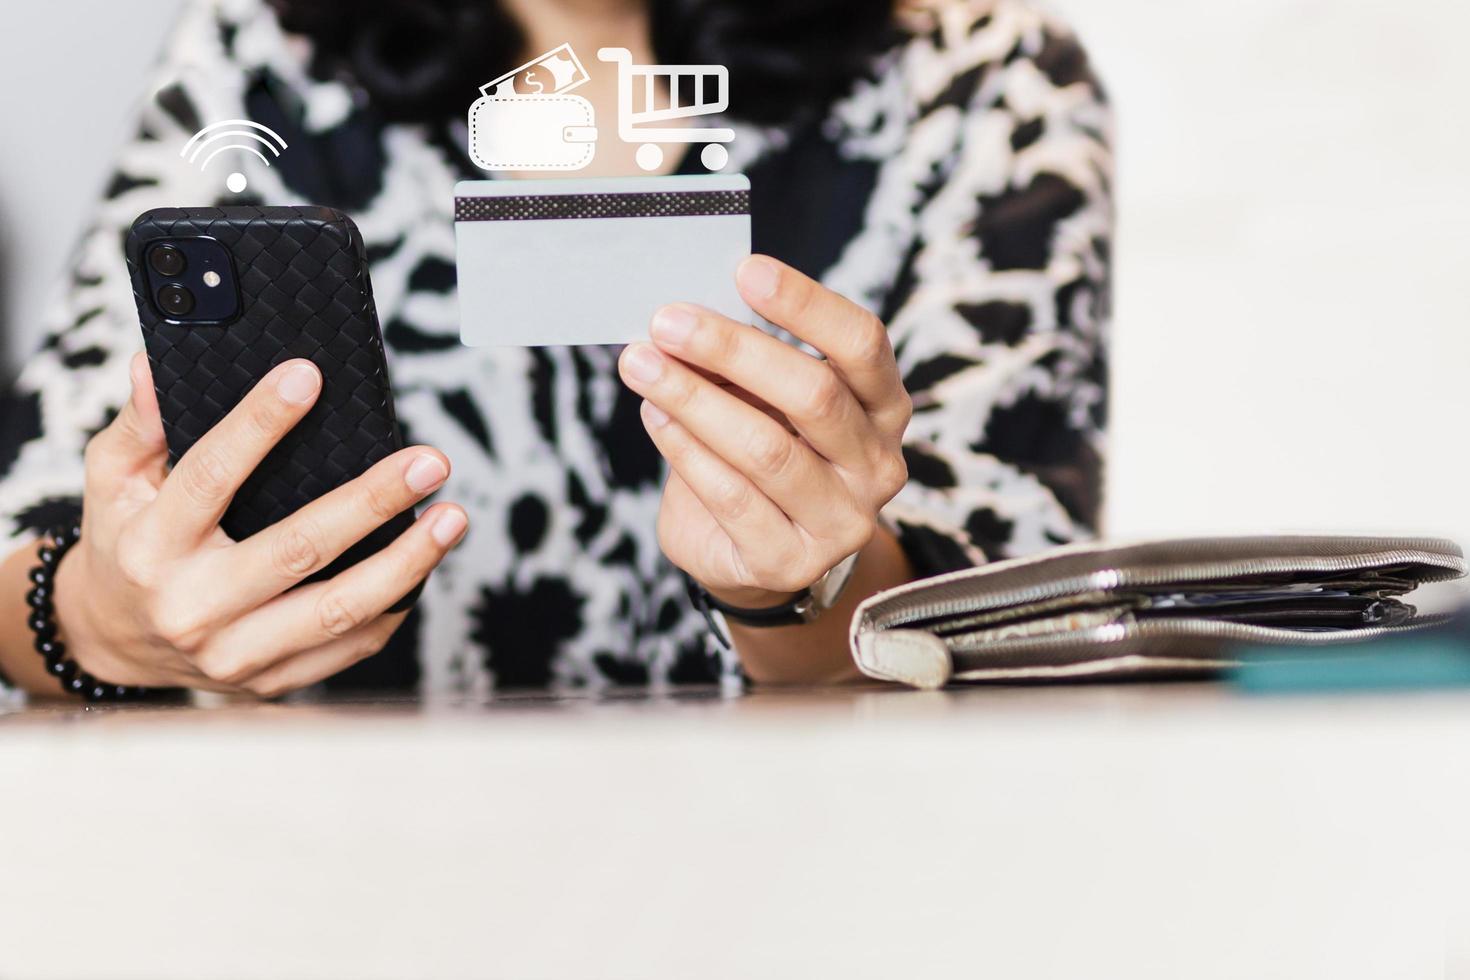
x=175 y=300
x=167 y=260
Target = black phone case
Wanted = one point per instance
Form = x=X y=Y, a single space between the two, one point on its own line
x=304 y=292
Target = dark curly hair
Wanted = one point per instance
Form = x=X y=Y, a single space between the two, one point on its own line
x=420 y=59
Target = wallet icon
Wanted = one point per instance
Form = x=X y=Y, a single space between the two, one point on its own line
x=528 y=119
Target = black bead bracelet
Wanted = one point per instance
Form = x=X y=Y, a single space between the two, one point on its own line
x=42 y=620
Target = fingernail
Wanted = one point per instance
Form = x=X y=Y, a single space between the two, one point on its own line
x=299 y=384
x=643 y=362
x=673 y=324
x=425 y=473
x=656 y=417
x=759 y=277
x=448 y=526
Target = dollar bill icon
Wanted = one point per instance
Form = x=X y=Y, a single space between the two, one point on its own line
x=556 y=72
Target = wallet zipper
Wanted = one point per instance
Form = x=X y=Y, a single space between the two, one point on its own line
x=1113 y=578
x=1196 y=630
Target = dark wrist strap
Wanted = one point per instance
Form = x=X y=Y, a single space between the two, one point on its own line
x=787 y=614
x=41 y=599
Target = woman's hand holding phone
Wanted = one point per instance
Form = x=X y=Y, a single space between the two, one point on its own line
x=156 y=594
x=780 y=461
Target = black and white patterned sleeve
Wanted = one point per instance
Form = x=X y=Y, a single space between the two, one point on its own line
x=72 y=386
x=1000 y=316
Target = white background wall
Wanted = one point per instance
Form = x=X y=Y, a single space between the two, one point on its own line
x=1292 y=344
x=70 y=73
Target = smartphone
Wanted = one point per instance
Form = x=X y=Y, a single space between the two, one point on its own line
x=226 y=294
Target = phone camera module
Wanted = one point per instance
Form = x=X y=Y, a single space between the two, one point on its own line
x=167 y=261
x=175 y=300
x=191 y=280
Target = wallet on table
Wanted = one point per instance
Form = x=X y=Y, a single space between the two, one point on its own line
x=1163 y=608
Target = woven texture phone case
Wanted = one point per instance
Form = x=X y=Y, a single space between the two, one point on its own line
x=304 y=292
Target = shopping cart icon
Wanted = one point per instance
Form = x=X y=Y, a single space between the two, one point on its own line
x=643 y=125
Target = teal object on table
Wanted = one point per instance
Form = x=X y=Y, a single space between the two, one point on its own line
x=1433 y=660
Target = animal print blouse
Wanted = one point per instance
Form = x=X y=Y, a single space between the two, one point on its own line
x=961 y=190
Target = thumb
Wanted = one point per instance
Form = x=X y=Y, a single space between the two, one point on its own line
x=134 y=441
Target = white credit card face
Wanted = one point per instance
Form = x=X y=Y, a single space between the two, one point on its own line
x=546 y=262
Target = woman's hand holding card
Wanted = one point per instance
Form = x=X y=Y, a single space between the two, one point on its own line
x=780 y=461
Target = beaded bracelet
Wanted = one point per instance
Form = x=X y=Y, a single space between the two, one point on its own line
x=42 y=621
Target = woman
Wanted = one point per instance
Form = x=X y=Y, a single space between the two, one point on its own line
x=931 y=198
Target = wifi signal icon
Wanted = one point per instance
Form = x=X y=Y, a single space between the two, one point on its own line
x=232 y=134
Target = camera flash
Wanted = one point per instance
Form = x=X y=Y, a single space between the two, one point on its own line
x=211 y=279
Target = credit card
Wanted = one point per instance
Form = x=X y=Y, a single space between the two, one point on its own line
x=589 y=261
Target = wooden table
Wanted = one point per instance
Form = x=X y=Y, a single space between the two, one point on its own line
x=1140 y=831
